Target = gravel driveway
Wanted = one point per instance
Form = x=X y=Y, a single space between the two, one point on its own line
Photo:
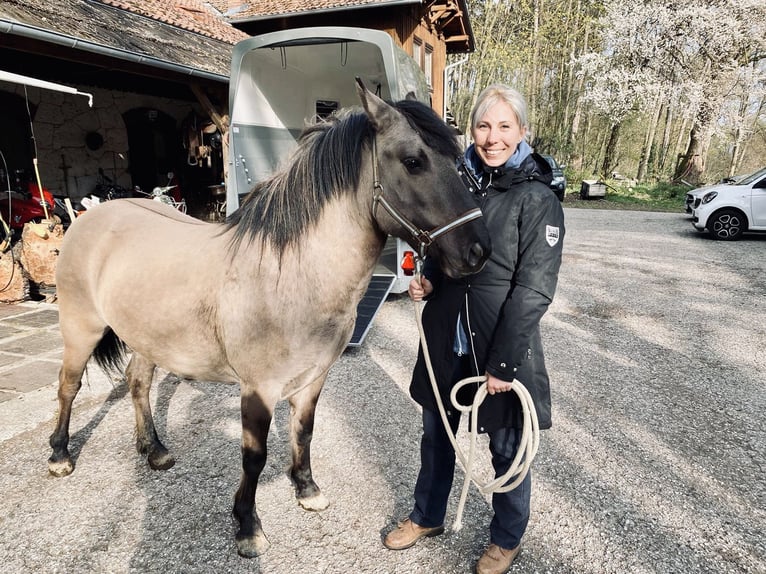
x=656 y=346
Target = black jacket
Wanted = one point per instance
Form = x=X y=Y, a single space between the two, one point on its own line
x=501 y=306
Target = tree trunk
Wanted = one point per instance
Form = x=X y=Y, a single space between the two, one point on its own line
x=665 y=147
x=576 y=87
x=753 y=129
x=532 y=88
x=649 y=142
x=692 y=164
x=609 y=162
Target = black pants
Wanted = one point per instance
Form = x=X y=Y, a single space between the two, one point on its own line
x=437 y=468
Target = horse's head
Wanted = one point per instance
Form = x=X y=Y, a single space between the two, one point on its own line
x=418 y=194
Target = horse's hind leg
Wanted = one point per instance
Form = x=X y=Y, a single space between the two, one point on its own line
x=302 y=408
x=140 y=372
x=70 y=380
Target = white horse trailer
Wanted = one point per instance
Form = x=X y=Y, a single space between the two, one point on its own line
x=282 y=80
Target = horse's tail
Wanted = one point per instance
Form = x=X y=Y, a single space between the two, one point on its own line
x=110 y=352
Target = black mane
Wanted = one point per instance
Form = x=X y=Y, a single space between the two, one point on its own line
x=326 y=163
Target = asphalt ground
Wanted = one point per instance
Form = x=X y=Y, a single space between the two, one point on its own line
x=655 y=345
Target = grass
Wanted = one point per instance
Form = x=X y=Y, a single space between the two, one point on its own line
x=661 y=196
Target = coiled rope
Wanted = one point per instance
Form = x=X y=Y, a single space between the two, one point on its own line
x=530 y=434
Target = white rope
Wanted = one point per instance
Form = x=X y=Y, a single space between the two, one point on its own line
x=530 y=434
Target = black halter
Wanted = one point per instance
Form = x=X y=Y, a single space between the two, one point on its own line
x=423 y=238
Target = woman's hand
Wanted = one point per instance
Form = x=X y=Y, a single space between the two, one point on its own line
x=419 y=288
x=495 y=385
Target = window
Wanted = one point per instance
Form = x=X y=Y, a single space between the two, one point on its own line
x=417 y=51
x=428 y=64
x=325 y=108
x=423 y=54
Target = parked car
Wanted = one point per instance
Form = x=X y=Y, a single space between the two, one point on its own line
x=727 y=210
x=694 y=197
x=559 y=183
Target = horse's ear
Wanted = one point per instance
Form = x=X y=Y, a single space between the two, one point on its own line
x=380 y=113
x=411 y=96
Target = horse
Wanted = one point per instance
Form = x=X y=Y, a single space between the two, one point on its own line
x=266 y=299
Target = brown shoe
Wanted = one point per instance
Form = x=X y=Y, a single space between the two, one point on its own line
x=496 y=560
x=407 y=533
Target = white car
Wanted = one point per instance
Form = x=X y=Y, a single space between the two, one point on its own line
x=727 y=210
x=694 y=197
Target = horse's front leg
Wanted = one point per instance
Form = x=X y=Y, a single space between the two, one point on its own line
x=256 y=418
x=140 y=372
x=302 y=408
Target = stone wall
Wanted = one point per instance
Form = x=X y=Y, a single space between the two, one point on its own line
x=68 y=166
x=61 y=122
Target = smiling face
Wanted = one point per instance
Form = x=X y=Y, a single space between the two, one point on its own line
x=497 y=134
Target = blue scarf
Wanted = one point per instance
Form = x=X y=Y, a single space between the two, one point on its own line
x=477 y=166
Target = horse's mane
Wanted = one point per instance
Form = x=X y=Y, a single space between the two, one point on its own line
x=326 y=163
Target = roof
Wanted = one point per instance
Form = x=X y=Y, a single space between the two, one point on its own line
x=270 y=8
x=193 y=15
x=448 y=16
x=170 y=39
x=185 y=35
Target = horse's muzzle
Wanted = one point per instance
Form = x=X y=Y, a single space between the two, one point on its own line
x=471 y=260
x=477 y=256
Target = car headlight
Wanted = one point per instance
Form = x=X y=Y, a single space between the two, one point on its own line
x=558 y=179
x=710 y=196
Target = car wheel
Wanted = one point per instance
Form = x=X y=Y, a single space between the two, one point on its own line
x=727 y=224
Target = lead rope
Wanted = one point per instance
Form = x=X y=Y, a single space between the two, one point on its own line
x=530 y=434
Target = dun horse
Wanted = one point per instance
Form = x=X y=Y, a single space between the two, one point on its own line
x=253 y=301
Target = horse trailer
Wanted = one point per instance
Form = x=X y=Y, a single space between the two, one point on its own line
x=283 y=80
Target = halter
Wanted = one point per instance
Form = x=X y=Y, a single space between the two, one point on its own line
x=423 y=238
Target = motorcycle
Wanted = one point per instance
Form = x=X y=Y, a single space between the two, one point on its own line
x=19 y=207
x=163 y=195
x=106 y=189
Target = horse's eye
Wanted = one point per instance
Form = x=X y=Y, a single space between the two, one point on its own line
x=412 y=164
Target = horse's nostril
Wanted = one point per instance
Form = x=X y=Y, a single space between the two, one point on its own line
x=477 y=255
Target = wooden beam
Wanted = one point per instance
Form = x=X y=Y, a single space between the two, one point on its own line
x=221 y=121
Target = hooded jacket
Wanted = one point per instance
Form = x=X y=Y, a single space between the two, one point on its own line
x=501 y=306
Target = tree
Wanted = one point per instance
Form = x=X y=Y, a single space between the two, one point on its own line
x=697 y=48
x=646 y=84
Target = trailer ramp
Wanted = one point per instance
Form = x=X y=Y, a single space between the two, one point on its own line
x=373 y=299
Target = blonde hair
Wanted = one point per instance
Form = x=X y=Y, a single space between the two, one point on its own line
x=495 y=93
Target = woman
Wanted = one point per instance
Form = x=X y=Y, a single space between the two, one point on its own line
x=489 y=323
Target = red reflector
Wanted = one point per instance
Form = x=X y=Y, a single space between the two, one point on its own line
x=408 y=263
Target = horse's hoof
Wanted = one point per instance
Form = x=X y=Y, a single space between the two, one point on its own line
x=161 y=460
x=60 y=468
x=314 y=503
x=253 y=546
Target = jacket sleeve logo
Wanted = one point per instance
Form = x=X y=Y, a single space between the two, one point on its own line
x=551 y=235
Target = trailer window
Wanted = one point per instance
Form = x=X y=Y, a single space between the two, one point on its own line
x=325 y=108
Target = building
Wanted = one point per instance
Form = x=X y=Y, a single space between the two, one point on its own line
x=158 y=74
